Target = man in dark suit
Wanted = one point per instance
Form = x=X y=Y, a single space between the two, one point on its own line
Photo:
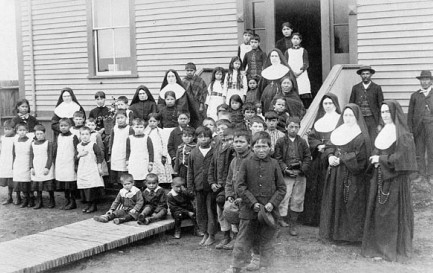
x=420 y=122
x=369 y=97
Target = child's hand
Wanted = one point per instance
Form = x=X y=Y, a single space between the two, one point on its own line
x=101 y=131
x=100 y=169
x=109 y=212
x=127 y=164
x=269 y=207
x=83 y=153
x=33 y=171
x=238 y=201
x=191 y=214
x=182 y=188
x=150 y=167
x=321 y=148
x=46 y=171
x=215 y=187
x=256 y=207
x=133 y=211
x=163 y=160
x=230 y=199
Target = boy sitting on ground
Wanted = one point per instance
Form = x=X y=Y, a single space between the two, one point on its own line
x=155 y=201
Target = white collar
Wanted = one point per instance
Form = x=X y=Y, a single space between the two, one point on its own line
x=175 y=87
x=386 y=137
x=157 y=189
x=172 y=192
x=366 y=85
x=275 y=72
x=327 y=123
x=129 y=194
x=66 y=110
x=343 y=134
x=426 y=91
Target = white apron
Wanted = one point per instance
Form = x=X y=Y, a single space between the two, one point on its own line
x=21 y=166
x=64 y=166
x=87 y=173
x=138 y=158
x=213 y=101
x=6 y=157
x=296 y=62
x=40 y=158
x=118 y=150
x=160 y=149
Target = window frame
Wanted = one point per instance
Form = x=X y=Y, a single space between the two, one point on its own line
x=91 y=45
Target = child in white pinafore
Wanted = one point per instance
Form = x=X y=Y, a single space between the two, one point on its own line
x=6 y=159
x=139 y=153
x=96 y=137
x=297 y=57
x=65 y=150
x=161 y=166
x=21 y=165
x=235 y=82
x=118 y=137
x=89 y=170
x=215 y=92
x=41 y=167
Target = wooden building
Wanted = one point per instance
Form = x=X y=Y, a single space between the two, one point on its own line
x=116 y=45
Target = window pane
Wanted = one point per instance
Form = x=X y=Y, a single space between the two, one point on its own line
x=105 y=49
x=120 y=12
x=341 y=39
x=341 y=12
x=101 y=13
x=259 y=15
x=122 y=48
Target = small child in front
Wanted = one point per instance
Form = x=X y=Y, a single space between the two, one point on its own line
x=179 y=201
x=280 y=107
x=6 y=159
x=21 y=165
x=260 y=183
x=155 y=201
x=42 y=167
x=294 y=157
x=127 y=204
x=79 y=118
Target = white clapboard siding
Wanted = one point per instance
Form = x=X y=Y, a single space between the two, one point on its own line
x=169 y=33
x=396 y=38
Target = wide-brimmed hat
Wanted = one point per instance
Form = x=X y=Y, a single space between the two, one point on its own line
x=231 y=213
x=425 y=74
x=365 y=67
x=266 y=217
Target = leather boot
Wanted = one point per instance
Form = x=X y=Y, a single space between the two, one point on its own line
x=31 y=201
x=19 y=200
x=72 y=204
x=25 y=202
x=38 y=201
x=92 y=208
x=52 y=202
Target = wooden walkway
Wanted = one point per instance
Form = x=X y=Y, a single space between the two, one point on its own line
x=66 y=244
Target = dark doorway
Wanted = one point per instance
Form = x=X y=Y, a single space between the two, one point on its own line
x=304 y=15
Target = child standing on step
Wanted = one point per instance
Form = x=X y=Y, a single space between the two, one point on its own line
x=127 y=204
x=89 y=171
x=6 y=159
x=21 y=165
x=65 y=150
x=155 y=201
x=42 y=168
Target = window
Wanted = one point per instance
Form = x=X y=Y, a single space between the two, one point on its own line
x=113 y=38
x=341 y=26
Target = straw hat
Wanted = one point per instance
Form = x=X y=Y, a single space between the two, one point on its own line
x=266 y=217
x=231 y=213
x=364 y=68
x=425 y=74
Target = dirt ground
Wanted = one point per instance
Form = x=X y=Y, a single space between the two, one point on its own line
x=162 y=253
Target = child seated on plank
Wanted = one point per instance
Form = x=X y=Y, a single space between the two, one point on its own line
x=155 y=201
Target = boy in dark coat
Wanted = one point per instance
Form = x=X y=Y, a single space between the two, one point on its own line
x=255 y=59
x=155 y=201
x=175 y=138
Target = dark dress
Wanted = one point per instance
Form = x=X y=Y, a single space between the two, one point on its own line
x=345 y=193
x=389 y=220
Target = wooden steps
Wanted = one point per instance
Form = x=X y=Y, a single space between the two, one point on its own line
x=70 y=243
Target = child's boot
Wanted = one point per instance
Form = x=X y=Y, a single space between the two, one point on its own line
x=31 y=200
x=282 y=222
x=224 y=241
x=119 y=221
x=231 y=244
x=19 y=200
x=67 y=198
x=103 y=218
x=9 y=200
x=293 y=229
x=39 y=203
x=52 y=202
x=72 y=204
x=254 y=265
x=177 y=228
x=92 y=208
x=25 y=202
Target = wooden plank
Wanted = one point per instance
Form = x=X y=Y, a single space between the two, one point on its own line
x=414 y=41
x=395 y=20
x=182 y=29
x=395 y=34
x=201 y=8
x=365 y=7
x=396 y=27
x=413 y=11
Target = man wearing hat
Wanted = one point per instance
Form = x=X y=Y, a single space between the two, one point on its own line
x=420 y=122
x=369 y=97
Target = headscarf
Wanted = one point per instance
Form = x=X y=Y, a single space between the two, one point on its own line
x=136 y=99
x=177 y=87
x=361 y=124
x=67 y=110
x=324 y=120
x=405 y=159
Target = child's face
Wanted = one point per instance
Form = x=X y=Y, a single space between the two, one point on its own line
x=151 y=184
x=127 y=185
x=171 y=78
x=287 y=31
x=177 y=186
x=235 y=105
x=249 y=114
x=170 y=101
x=190 y=73
x=183 y=120
x=292 y=129
x=40 y=135
x=209 y=124
x=121 y=105
x=228 y=140
x=256 y=127
x=236 y=65
x=142 y=95
x=286 y=86
x=100 y=101
x=21 y=131
x=78 y=121
x=254 y=44
x=91 y=125
x=259 y=110
x=296 y=40
x=203 y=141
x=23 y=108
x=64 y=127
x=272 y=124
x=139 y=129
x=247 y=38
x=220 y=129
x=85 y=135
x=261 y=149
x=121 y=119
x=280 y=106
x=187 y=139
x=252 y=84
x=9 y=131
x=153 y=123
x=240 y=144
x=218 y=75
